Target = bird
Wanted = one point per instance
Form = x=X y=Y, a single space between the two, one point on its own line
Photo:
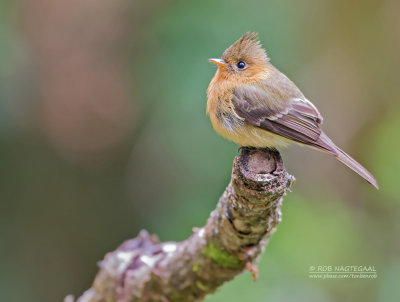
x=253 y=104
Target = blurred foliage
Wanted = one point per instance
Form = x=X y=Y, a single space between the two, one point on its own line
x=69 y=193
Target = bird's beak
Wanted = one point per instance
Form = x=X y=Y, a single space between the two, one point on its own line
x=219 y=62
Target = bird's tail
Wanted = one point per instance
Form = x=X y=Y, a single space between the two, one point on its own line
x=324 y=143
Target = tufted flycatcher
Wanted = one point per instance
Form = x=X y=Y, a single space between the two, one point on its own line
x=253 y=104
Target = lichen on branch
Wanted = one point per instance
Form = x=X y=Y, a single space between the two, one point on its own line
x=248 y=212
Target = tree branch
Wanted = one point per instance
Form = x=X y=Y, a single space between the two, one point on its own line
x=143 y=269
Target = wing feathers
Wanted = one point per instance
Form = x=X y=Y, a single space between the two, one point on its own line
x=307 y=109
x=296 y=119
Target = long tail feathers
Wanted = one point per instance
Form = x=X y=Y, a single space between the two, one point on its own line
x=327 y=145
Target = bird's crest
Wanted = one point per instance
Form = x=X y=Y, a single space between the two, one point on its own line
x=248 y=46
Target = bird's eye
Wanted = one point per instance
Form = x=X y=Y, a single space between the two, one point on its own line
x=241 y=65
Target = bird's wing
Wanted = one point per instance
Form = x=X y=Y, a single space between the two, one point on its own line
x=294 y=118
x=290 y=116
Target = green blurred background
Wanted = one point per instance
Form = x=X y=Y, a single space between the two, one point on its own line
x=103 y=132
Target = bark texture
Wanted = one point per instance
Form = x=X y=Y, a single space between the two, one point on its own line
x=247 y=214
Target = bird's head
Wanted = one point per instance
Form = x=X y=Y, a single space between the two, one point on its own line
x=243 y=60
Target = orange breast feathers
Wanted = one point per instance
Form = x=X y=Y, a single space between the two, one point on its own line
x=228 y=124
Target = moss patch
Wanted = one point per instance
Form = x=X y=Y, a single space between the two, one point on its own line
x=195 y=267
x=215 y=252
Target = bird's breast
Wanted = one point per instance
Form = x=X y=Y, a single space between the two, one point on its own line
x=228 y=119
x=232 y=127
x=228 y=124
x=222 y=116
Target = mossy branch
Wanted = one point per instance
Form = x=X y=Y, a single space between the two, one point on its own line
x=248 y=212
